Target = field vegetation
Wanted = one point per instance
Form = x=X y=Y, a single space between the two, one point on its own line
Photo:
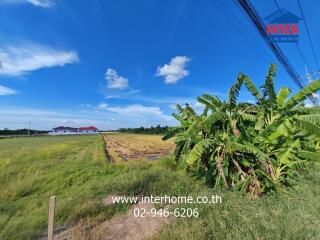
x=20 y=132
x=126 y=147
x=74 y=169
x=145 y=130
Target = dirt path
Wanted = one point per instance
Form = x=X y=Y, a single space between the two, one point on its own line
x=128 y=227
x=122 y=227
x=124 y=147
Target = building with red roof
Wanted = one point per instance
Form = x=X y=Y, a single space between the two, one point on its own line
x=62 y=130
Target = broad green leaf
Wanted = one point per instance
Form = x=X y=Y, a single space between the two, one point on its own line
x=252 y=88
x=311 y=156
x=313 y=118
x=302 y=94
x=286 y=157
x=199 y=149
x=282 y=96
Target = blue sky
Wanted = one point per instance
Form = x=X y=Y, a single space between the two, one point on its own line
x=126 y=63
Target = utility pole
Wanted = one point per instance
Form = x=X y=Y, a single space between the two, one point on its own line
x=309 y=79
x=29 y=129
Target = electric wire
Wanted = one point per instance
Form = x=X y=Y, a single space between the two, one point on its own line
x=239 y=29
x=309 y=35
x=258 y=23
x=296 y=44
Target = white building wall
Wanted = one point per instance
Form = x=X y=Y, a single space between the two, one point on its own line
x=65 y=132
x=88 y=132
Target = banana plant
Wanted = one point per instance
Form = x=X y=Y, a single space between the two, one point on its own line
x=251 y=147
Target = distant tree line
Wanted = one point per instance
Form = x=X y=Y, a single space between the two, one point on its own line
x=151 y=130
x=21 y=132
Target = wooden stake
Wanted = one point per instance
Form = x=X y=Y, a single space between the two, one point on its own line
x=51 y=217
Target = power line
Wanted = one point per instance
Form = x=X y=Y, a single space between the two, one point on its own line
x=299 y=49
x=309 y=36
x=245 y=16
x=247 y=35
x=237 y=28
x=275 y=1
x=258 y=23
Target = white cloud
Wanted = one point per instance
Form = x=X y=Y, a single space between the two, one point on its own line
x=114 y=80
x=172 y=106
x=199 y=105
x=41 y=3
x=123 y=95
x=136 y=110
x=102 y=106
x=134 y=91
x=25 y=57
x=38 y=3
x=6 y=91
x=175 y=70
x=87 y=105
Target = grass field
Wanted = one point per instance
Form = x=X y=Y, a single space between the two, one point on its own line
x=74 y=169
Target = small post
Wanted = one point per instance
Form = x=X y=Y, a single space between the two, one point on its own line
x=29 y=129
x=51 y=217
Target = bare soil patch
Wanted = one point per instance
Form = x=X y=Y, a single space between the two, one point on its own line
x=122 y=227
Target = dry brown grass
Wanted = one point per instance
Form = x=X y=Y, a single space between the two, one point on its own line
x=126 y=147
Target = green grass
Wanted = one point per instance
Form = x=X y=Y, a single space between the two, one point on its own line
x=33 y=169
x=75 y=170
x=291 y=215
